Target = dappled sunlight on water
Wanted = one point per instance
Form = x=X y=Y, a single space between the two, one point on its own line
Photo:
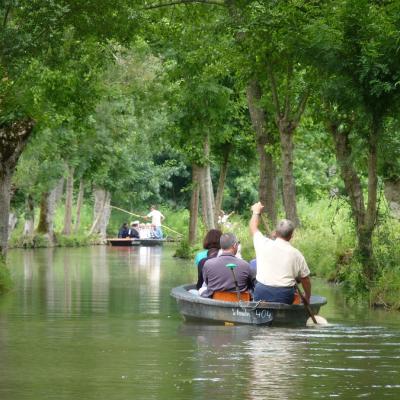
x=99 y=323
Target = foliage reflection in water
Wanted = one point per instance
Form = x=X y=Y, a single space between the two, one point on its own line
x=100 y=323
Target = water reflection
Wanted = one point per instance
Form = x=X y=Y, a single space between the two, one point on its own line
x=100 y=323
x=100 y=280
x=274 y=364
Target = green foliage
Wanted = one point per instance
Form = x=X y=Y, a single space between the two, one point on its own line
x=75 y=240
x=184 y=250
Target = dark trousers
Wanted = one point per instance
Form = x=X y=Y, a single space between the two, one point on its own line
x=273 y=293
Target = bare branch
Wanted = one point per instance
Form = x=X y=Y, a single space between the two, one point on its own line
x=177 y=2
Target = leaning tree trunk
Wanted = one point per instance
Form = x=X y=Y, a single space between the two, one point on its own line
x=46 y=216
x=267 y=169
x=79 y=204
x=101 y=213
x=13 y=138
x=364 y=217
x=68 y=202
x=194 y=205
x=221 y=182
x=29 y=225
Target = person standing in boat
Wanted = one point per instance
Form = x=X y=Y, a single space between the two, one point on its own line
x=156 y=218
x=279 y=264
x=219 y=278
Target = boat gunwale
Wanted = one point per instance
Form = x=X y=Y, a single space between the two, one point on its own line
x=182 y=293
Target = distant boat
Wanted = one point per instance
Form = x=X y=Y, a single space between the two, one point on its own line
x=135 y=242
x=194 y=307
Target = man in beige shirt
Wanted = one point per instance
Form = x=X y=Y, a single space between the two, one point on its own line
x=279 y=264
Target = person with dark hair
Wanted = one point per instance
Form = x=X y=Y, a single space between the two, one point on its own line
x=211 y=247
x=219 y=278
x=123 y=231
x=279 y=264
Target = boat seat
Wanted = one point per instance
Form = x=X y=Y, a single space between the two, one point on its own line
x=231 y=296
x=297 y=298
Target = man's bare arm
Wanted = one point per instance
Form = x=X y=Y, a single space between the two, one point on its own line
x=306 y=283
x=255 y=217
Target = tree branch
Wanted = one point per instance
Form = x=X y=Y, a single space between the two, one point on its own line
x=372 y=173
x=177 y=2
x=301 y=107
x=274 y=89
x=6 y=13
x=288 y=89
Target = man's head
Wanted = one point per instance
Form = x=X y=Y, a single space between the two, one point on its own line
x=152 y=207
x=135 y=224
x=229 y=243
x=285 y=229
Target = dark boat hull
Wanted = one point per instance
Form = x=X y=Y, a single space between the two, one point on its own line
x=135 y=242
x=194 y=307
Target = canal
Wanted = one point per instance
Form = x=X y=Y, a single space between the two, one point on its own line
x=99 y=323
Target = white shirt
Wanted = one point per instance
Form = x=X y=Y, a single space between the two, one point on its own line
x=278 y=262
x=155 y=217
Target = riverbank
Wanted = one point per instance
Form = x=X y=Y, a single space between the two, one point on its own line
x=326 y=238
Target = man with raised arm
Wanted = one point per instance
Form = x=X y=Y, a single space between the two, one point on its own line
x=279 y=264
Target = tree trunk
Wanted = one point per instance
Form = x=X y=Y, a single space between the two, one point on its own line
x=392 y=194
x=13 y=139
x=364 y=218
x=101 y=213
x=221 y=182
x=194 y=205
x=46 y=216
x=288 y=183
x=68 y=202
x=206 y=190
x=29 y=225
x=267 y=188
x=79 y=204
x=5 y=187
x=12 y=222
x=287 y=117
x=59 y=190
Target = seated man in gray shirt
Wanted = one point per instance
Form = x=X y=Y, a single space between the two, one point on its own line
x=218 y=277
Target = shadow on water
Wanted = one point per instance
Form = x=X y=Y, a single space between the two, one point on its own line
x=100 y=323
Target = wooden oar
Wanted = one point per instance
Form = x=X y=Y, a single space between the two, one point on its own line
x=306 y=304
x=140 y=216
x=232 y=267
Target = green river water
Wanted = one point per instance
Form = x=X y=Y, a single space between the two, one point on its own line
x=99 y=323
